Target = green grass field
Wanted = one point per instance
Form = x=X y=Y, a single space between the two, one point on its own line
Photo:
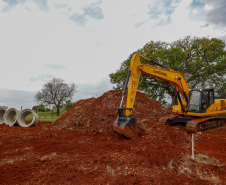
x=47 y=116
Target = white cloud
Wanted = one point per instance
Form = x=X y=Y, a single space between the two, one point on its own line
x=55 y=66
x=16 y=99
x=208 y=7
x=2 y=5
x=194 y=11
x=89 y=90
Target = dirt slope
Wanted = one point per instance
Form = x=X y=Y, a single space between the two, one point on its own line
x=98 y=114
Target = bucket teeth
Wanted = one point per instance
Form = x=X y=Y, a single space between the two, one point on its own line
x=126 y=126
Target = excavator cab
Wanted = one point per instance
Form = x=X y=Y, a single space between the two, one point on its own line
x=200 y=100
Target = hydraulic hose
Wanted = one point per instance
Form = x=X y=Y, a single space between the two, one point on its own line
x=125 y=88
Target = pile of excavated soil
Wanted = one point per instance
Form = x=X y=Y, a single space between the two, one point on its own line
x=98 y=114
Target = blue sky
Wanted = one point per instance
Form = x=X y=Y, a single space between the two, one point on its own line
x=84 y=41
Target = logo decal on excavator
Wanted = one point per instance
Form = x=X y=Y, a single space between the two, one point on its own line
x=159 y=72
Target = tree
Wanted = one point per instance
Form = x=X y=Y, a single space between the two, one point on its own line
x=69 y=104
x=41 y=109
x=56 y=92
x=36 y=107
x=201 y=60
x=5 y=107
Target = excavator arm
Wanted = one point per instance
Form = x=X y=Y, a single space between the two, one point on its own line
x=161 y=72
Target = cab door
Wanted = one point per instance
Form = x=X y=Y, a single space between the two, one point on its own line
x=194 y=102
x=207 y=99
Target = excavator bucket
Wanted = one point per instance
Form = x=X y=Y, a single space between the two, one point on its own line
x=125 y=125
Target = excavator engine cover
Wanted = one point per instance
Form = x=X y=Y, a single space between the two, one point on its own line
x=125 y=125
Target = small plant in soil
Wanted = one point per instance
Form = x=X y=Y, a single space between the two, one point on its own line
x=178 y=128
x=7 y=162
x=200 y=158
x=50 y=156
x=145 y=127
x=170 y=165
x=110 y=170
x=164 y=110
x=153 y=111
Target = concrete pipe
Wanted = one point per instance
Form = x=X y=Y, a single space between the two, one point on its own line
x=22 y=116
x=9 y=117
x=2 y=112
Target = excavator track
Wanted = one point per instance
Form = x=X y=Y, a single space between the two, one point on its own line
x=198 y=124
x=205 y=124
x=165 y=120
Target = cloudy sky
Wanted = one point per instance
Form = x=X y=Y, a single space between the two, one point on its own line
x=84 y=41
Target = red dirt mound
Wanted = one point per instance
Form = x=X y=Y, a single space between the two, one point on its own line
x=98 y=114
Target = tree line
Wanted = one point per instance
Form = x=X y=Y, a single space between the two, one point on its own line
x=201 y=60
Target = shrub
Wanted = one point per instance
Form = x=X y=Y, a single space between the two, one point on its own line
x=41 y=109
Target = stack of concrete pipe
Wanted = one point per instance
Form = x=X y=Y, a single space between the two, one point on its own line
x=20 y=117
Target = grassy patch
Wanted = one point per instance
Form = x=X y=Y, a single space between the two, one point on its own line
x=200 y=158
x=47 y=116
x=188 y=168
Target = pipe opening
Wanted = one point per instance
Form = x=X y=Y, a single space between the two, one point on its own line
x=29 y=115
x=26 y=118
x=2 y=115
x=11 y=117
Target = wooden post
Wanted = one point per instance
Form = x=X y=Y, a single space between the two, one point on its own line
x=52 y=112
x=193 y=157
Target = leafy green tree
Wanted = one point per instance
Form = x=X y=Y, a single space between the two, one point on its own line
x=41 y=109
x=48 y=109
x=37 y=108
x=221 y=91
x=201 y=60
x=5 y=107
x=69 y=104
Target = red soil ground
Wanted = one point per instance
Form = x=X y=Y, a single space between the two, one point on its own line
x=81 y=148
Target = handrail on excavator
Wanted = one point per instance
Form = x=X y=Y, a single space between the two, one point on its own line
x=154 y=62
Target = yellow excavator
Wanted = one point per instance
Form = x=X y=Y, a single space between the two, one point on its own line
x=194 y=108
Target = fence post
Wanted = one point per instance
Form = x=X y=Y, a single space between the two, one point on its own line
x=193 y=157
